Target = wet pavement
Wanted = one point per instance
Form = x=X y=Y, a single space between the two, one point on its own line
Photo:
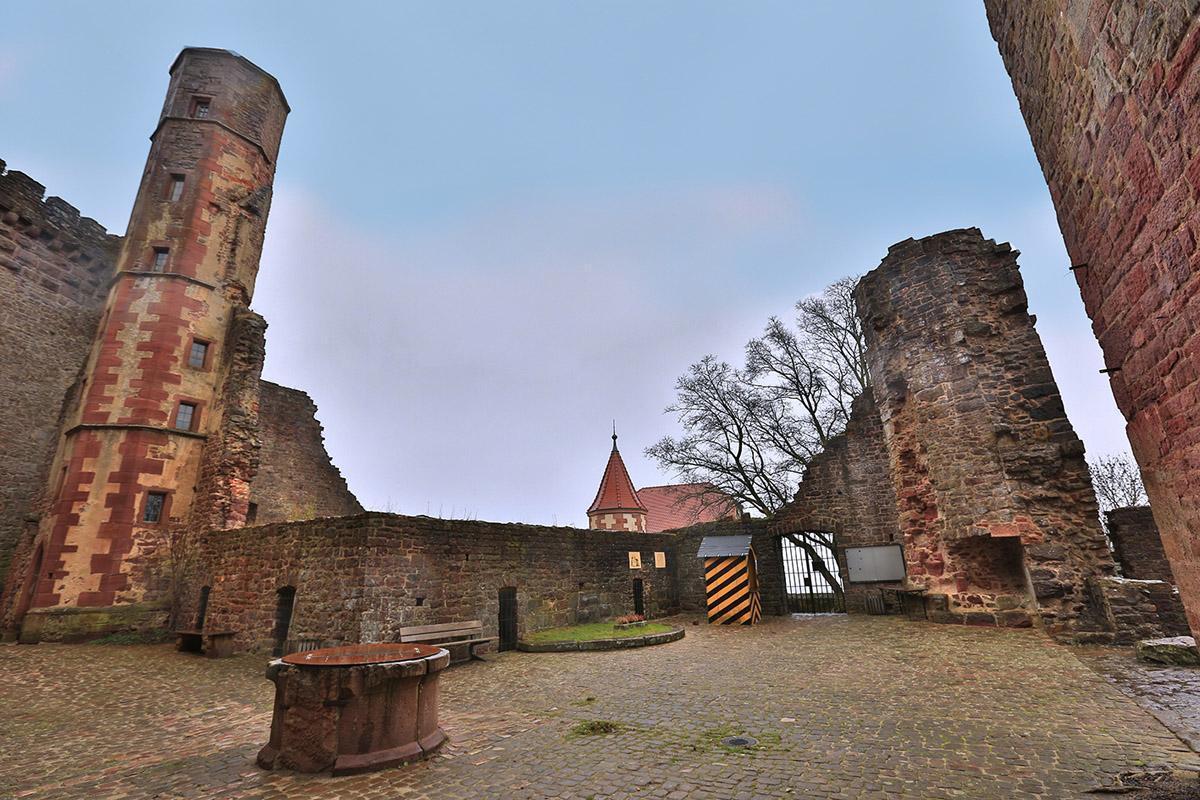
x=842 y=707
x=1172 y=694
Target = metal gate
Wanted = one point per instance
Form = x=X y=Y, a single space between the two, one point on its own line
x=508 y=618
x=639 y=597
x=811 y=581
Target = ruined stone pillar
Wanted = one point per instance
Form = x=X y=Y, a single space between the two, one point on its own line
x=995 y=503
x=177 y=355
x=1110 y=92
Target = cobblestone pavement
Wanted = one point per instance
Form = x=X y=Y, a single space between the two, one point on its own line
x=859 y=707
x=1170 y=693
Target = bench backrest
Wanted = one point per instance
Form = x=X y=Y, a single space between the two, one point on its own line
x=442 y=632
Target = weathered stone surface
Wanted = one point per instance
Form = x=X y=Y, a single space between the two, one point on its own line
x=354 y=718
x=54 y=271
x=1110 y=92
x=1136 y=610
x=296 y=479
x=989 y=477
x=1137 y=546
x=362 y=578
x=1179 y=651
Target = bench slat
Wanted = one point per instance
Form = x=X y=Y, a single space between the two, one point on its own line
x=441 y=637
x=447 y=627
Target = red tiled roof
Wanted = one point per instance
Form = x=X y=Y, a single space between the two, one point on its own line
x=681 y=504
x=616 y=492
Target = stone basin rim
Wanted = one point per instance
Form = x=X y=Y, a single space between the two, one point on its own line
x=360 y=655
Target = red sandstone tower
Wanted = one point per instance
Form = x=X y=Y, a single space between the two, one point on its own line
x=160 y=437
x=616 y=507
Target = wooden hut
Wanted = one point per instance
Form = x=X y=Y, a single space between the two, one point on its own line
x=730 y=580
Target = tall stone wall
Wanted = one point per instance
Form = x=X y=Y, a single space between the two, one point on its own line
x=1137 y=545
x=55 y=268
x=1110 y=92
x=994 y=499
x=296 y=479
x=847 y=491
x=361 y=578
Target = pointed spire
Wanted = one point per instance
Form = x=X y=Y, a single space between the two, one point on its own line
x=616 y=492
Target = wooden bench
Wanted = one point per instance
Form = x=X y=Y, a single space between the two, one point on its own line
x=454 y=636
x=214 y=644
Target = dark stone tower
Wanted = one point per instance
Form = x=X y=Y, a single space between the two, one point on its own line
x=995 y=502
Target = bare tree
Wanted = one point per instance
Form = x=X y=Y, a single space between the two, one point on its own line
x=749 y=433
x=724 y=445
x=1117 y=481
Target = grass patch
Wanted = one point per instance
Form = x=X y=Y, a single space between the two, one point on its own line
x=592 y=631
x=134 y=637
x=594 y=727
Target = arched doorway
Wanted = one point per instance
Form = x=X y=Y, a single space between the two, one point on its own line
x=812 y=583
x=639 y=597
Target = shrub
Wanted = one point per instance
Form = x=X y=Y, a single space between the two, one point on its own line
x=628 y=618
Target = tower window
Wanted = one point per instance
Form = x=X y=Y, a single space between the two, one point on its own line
x=153 y=511
x=198 y=354
x=251 y=513
x=161 y=255
x=176 y=190
x=185 y=417
x=200 y=106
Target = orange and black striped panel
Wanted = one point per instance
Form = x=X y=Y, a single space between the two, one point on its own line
x=732 y=600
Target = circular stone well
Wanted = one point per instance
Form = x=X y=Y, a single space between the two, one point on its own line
x=354 y=709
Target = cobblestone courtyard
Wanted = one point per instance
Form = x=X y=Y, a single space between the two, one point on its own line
x=842 y=707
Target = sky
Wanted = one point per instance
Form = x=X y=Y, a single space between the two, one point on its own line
x=498 y=227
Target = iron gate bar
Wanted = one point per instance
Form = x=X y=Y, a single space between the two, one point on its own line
x=806 y=590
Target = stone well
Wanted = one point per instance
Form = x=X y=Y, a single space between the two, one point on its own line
x=355 y=709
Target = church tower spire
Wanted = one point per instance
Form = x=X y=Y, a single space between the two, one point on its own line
x=616 y=507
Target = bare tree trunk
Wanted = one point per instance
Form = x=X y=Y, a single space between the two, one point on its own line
x=818 y=563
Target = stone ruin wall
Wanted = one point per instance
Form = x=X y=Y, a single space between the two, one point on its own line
x=1137 y=546
x=847 y=491
x=363 y=577
x=1110 y=92
x=993 y=494
x=55 y=268
x=296 y=479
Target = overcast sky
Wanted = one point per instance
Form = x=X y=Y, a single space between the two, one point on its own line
x=499 y=226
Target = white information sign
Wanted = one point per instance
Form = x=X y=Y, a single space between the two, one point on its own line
x=660 y=559
x=635 y=559
x=870 y=564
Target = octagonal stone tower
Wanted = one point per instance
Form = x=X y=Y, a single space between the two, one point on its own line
x=159 y=439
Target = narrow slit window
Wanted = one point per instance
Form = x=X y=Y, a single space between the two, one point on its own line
x=251 y=513
x=161 y=256
x=200 y=106
x=185 y=417
x=176 y=190
x=155 y=503
x=198 y=355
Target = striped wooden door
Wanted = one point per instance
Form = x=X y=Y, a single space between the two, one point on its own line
x=732 y=590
